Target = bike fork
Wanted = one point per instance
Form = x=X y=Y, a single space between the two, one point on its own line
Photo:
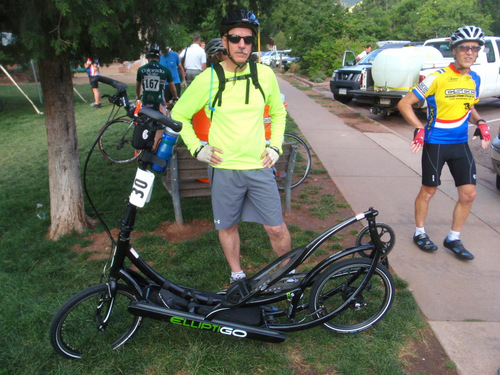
x=108 y=297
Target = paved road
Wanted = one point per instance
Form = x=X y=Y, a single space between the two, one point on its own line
x=461 y=300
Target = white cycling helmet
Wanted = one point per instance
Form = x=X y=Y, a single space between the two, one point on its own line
x=467 y=34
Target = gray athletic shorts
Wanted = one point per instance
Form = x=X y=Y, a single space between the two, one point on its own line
x=249 y=195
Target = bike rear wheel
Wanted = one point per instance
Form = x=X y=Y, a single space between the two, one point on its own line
x=302 y=162
x=339 y=282
x=75 y=329
x=115 y=142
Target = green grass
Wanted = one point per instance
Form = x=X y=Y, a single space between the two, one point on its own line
x=38 y=275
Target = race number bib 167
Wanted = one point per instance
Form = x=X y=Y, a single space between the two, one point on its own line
x=151 y=83
x=142 y=188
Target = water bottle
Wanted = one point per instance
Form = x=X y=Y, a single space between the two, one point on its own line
x=165 y=148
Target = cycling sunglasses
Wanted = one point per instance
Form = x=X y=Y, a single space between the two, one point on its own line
x=466 y=49
x=233 y=38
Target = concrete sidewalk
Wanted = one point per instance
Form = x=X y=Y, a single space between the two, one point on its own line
x=461 y=300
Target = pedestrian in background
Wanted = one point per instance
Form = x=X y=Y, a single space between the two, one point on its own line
x=193 y=58
x=171 y=60
x=363 y=54
x=92 y=66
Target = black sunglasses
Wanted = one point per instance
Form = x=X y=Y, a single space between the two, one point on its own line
x=236 y=39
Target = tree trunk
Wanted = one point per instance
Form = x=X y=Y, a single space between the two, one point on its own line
x=67 y=213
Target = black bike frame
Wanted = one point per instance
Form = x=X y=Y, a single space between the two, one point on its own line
x=123 y=250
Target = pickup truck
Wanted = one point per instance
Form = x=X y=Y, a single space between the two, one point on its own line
x=354 y=76
x=395 y=72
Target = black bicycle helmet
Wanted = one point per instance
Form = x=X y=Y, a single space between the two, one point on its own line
x=214 y=46
x=467 y=34
x=154 y=51
x=239 y=18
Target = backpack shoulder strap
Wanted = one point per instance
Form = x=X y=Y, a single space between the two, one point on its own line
x=222 y=86
x=255 y=77
x=183 y=61
x=222 y=83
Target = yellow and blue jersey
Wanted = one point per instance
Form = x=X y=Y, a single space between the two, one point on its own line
x=450 y=97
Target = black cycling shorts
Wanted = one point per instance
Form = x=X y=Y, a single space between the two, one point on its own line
x=459 y=159
x=94 y=82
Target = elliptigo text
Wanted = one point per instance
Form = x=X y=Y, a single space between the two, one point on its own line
x=208 y=327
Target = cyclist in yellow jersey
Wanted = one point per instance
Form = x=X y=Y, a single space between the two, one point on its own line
x=240 y=164
x=451 y=94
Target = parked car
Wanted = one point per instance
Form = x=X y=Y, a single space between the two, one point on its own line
x=495 y=157
x=255 y=55
x=352 y=74
x=287 y=61
x=274 y=57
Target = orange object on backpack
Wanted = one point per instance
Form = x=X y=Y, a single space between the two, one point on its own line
x=201 y=125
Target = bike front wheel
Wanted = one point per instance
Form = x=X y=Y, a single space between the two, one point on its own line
x=387 y=238
x=115 y=141
x=337 y=285
x=77 y=328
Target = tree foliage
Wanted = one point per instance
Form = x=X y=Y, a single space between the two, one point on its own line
x=57 y=32
x=318 y=30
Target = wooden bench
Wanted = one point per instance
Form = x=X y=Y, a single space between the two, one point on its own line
x=185 y=172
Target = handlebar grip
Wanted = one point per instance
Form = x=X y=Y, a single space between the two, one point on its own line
x=120 y=86
x=176 y=126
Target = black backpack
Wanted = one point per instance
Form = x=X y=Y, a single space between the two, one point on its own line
x=222 y=84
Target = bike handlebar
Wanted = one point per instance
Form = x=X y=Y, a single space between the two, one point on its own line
x=176 y=126
x=120 y=86
x=121 y=97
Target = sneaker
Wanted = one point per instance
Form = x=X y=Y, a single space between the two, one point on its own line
x=458 y=249
x=237 y=278
x=424 y=243
x=96 y=105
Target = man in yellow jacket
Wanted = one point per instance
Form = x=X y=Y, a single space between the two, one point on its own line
x=240 y=164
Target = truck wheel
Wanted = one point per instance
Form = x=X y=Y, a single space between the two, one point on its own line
x=342 y=98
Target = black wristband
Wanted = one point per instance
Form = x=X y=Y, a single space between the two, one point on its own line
x=198 y=151
x=275 y=149
x=477 y=122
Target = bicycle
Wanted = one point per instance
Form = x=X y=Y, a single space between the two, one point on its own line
x=345 y=294
x=115 y=137
x=302 y=161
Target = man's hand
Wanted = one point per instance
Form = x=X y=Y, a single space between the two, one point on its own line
x=270 y=157
x=483 y=132
x=418 y=140
x=206 y=154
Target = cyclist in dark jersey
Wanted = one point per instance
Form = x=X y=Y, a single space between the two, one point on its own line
x=451 y=94
x=151 y=79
